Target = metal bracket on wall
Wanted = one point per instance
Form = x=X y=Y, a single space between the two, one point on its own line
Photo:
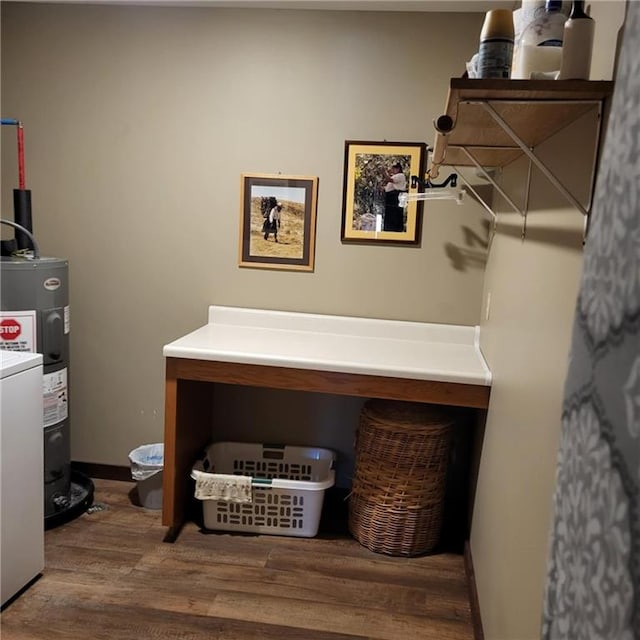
x=534 y=160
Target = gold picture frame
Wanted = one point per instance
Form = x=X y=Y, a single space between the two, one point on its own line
x=278 y=221
x=370 y=209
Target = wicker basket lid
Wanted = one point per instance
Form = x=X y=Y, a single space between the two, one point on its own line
x=398 y=414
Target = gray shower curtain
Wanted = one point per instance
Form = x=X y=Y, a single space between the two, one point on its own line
x=593 y=578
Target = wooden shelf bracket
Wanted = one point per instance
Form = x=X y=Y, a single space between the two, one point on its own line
x=490 y=123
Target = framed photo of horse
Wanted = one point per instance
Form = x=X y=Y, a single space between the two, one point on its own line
x=278 y=221
x=376 y=174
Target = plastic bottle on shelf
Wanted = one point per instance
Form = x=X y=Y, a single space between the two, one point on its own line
x=540 y=48
x=551 y=24
x=577 y=45
x=496 y=45
x=532 y=8
x=522 y=18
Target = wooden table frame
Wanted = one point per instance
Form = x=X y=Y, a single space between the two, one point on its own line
x=189 y=410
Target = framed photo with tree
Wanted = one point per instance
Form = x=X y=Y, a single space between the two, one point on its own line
x=278 y=221
x=375 y=176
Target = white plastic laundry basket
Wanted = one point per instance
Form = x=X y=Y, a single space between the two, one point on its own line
x=288 y=487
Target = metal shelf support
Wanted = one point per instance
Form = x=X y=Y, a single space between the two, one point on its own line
x=534 y=158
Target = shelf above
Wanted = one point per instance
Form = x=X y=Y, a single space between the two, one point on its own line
x=534 y=109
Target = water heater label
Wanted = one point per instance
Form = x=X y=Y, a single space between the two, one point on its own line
x=18 y=330
x=67 y=321
x=55 y=397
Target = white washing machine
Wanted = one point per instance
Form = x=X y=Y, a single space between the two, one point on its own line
x=21 y=471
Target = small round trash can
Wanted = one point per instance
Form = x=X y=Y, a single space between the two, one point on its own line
x=146 y=469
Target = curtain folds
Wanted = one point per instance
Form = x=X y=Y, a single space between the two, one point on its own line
x=593 y=576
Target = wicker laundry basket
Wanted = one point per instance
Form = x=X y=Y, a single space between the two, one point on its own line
x=397 y=496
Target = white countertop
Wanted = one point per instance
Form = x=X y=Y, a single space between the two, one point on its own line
x=364 y=346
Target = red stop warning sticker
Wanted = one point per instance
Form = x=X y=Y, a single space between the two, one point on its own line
x=10 y=329
x=18 y=330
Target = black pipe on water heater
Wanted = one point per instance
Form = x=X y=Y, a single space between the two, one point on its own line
x=22 y=216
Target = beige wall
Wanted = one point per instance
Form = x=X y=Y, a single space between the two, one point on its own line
x=531 y=286
x=525 y=336
x=138 y=124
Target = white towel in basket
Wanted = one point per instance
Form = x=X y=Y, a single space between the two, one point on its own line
x=220 y=486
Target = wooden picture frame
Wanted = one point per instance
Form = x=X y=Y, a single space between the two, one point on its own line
x=288 y=242
x=369 y=214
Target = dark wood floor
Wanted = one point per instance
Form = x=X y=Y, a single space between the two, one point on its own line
x=109 y=576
